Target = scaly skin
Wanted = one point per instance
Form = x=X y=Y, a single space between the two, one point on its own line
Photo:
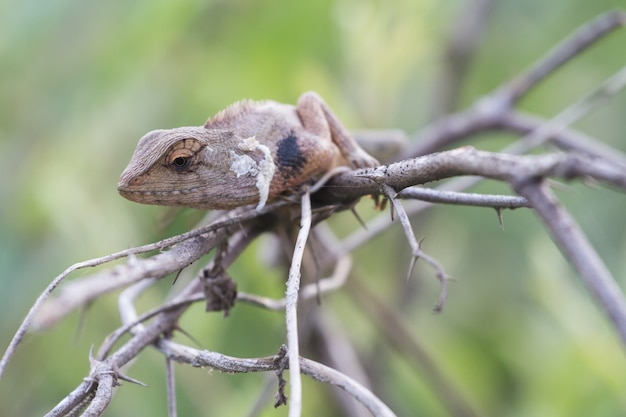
x=248 y=153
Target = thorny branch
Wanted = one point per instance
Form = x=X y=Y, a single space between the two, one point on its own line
x=582 y=158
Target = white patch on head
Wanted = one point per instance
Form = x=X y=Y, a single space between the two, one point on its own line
x=262 y=170
x=249 y=144
x=243 y=164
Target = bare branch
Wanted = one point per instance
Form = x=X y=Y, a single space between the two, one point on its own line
x=469 y=161
x=571 y=114
x=171 y=388
x=463 y=199
x=335 y=281
x=79 y=293
x=310 y=368
x=488 y=112
x=104 y=394
x=565 y=139
x=577 y=249
x=165 y=322
x=571 y=47
x=76 y=401
x=291 y=308
x=415 y=247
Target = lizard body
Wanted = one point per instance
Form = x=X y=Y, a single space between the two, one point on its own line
x=248 y=153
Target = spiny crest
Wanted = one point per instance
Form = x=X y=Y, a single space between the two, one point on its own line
x=231 y=112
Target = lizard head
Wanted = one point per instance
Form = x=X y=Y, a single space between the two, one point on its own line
x=176 y=167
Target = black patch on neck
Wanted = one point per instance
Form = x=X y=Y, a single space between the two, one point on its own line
x=290 y=156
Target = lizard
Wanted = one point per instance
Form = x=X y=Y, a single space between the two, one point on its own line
x=249 y=153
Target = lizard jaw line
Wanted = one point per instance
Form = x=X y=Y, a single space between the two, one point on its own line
x=126 y=191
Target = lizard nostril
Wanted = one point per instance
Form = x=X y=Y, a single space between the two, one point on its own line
x=136 y=181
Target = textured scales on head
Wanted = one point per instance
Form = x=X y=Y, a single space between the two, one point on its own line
x=232 y=113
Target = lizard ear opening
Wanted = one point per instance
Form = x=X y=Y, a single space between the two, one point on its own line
x=180 y=159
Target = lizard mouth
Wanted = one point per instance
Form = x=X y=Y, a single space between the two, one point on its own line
x=126 y=190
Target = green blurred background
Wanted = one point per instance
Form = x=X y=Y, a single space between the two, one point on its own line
x=82 y=81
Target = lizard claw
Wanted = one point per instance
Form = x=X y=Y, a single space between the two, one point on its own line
x=361 y=159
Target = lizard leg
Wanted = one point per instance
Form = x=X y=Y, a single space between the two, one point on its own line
x=320 y=120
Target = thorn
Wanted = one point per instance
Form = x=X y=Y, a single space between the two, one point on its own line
x=129 y=379
x=186 y=333
x=500 y=220
x=101 y=367
x=358 y=217
x=176 y=276
x=414 y=259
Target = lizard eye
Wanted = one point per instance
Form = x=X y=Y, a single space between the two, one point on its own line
x=180 y=162
x=180 y=159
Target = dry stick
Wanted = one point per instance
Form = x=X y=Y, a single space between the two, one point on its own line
x=599 y=95
x=464 y=199
x=472 y=121
x=79 y=293
x=329 y=375
x=470 y=161
x=128 y=315
x=317 y=371
x=165 y=322
x=490 y=110
x=291 y=308
x=101 y=372
x=21 y=331
x=575 y=247
x=573 y=45
x=382 y=222
x=538 y=132
x=171 y=388
x=565 y=139
x=104 y=393
x=125 y=303
x=333 y=282
x=415 y=247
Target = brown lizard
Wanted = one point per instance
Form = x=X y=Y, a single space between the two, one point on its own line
x=249 y=153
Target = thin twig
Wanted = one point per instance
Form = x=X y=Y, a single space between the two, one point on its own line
x=291 y=308
x=488 y=112
x=333 y=282
x=565 y=139
x=165 y=322
x=572 y=113
x=170 y=382
x=104 y=394
x=317 y=371
x=45 y=295
x=415 y=247
x=464 y=199
x=571 y=47
x=469 y=161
